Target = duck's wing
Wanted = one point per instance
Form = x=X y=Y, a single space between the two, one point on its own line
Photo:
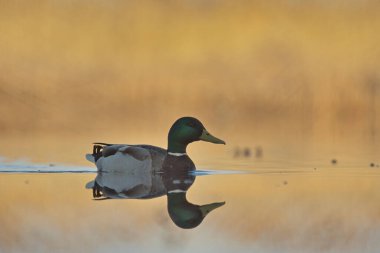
x=102 y=150
x=105 y=150
x=157 y=154
x=152 y=148
x=123 y=158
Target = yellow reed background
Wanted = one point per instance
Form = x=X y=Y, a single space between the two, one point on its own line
x=117 y=66
x=287 y=75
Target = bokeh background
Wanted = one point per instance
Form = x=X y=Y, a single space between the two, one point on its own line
x=248 y=69
x=300 y=79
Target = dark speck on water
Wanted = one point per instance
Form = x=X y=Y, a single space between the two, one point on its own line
x=259 y=152
x=247 y=152
x=372 y=165
x=334 y=161
x=244 y=152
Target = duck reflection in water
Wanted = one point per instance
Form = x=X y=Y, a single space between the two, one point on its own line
x=144 y=172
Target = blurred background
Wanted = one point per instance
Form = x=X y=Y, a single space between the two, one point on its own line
x=125 y=70
x=299 y=79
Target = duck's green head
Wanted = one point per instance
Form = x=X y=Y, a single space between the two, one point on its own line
x=185 y=214
x=186 y=130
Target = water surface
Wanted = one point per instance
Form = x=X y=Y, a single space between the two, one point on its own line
x=276 y=203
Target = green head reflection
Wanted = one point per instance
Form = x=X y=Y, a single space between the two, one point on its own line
x=177 y=180
x=185 y=214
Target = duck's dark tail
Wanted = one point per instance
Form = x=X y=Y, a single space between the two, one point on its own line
x=102 y=143
x=97 y=150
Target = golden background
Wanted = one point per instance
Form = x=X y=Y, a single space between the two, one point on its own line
x=299 y=78
x=117 y=66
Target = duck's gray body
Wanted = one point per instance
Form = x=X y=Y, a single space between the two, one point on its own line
x=129 y=171
x=144 y=171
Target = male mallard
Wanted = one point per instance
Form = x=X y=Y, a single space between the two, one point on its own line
x=110 y=157
x=134 y=163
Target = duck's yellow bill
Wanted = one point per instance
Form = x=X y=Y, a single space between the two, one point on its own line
x=206 y=209
x=206 y=136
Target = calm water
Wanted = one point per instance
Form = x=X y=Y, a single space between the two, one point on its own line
x=288 y=201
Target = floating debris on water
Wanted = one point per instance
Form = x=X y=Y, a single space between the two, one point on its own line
x=372 y=164
x=334 y=161
x=258 y=152
x=247 y=152
x=244 y=152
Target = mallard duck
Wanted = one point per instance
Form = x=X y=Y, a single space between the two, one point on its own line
x=114 y=157
x=129 y=171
